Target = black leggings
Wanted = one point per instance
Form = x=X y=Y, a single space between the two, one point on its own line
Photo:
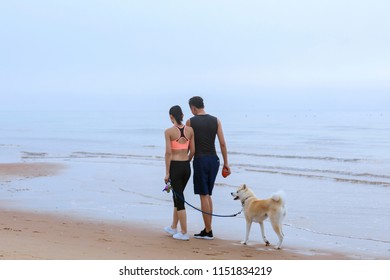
x=180 y=172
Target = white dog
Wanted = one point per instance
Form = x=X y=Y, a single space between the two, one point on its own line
x=257 y=210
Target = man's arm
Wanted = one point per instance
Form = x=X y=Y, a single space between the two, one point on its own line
x=222 y=144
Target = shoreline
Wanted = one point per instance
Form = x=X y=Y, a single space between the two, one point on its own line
x=52 y=235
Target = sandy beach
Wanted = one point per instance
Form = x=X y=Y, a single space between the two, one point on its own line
x=28 y=235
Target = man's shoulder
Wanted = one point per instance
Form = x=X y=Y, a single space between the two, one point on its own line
x=204 y=116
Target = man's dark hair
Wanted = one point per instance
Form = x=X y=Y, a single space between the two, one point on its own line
x=197 y=102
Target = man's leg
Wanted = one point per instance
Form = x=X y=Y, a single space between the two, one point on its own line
x=207 y=206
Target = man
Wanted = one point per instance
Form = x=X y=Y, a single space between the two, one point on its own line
x=206 y=162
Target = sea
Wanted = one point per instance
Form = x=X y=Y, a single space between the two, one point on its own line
x=334 y=168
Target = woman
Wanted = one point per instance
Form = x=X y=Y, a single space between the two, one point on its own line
x=179 y=150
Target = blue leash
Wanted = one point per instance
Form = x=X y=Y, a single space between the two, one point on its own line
x=168 y=188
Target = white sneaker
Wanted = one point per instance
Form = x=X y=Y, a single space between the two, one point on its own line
x=181 y=236
x=171 y=231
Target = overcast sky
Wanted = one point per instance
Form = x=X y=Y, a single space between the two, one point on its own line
x=281 y=53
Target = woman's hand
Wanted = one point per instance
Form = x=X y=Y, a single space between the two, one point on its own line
x=166 y=179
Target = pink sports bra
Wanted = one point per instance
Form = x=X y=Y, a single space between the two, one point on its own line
x=176 y=145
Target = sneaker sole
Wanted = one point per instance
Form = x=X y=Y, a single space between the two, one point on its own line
x=170 y=232
x=204 y=237
x=181 y=239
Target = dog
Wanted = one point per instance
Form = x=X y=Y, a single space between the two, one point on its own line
x=257 y=210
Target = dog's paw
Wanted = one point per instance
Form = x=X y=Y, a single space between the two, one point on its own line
x=278 y=247
x=267 y=243
x=243 y=242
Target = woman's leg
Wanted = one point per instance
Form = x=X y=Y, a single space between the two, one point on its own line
x=181 y=175
x=182 y=216
x=175 y=219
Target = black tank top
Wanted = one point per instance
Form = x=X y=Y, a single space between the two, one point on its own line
x=205 y=129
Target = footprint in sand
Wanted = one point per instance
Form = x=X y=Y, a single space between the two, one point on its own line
x=11 y=229
x=105 y=240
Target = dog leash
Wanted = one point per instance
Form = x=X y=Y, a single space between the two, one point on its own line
x=168 y=188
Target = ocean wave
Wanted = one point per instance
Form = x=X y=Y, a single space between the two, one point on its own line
x=105 y=155
x=365 y=178
x=9 y=145
x=86 y=155
x=336 y=235
x=322 y=177
x=316 y=170
x=33 y=155
x=298 y=157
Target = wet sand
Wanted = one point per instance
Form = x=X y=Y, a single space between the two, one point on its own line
x=28 y=236
x=34 y=235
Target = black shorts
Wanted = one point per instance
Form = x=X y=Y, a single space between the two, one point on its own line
x=205 y=171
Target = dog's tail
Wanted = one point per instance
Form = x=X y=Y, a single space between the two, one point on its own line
x=280 y=197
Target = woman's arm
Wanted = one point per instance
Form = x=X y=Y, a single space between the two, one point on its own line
x=168 y=156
